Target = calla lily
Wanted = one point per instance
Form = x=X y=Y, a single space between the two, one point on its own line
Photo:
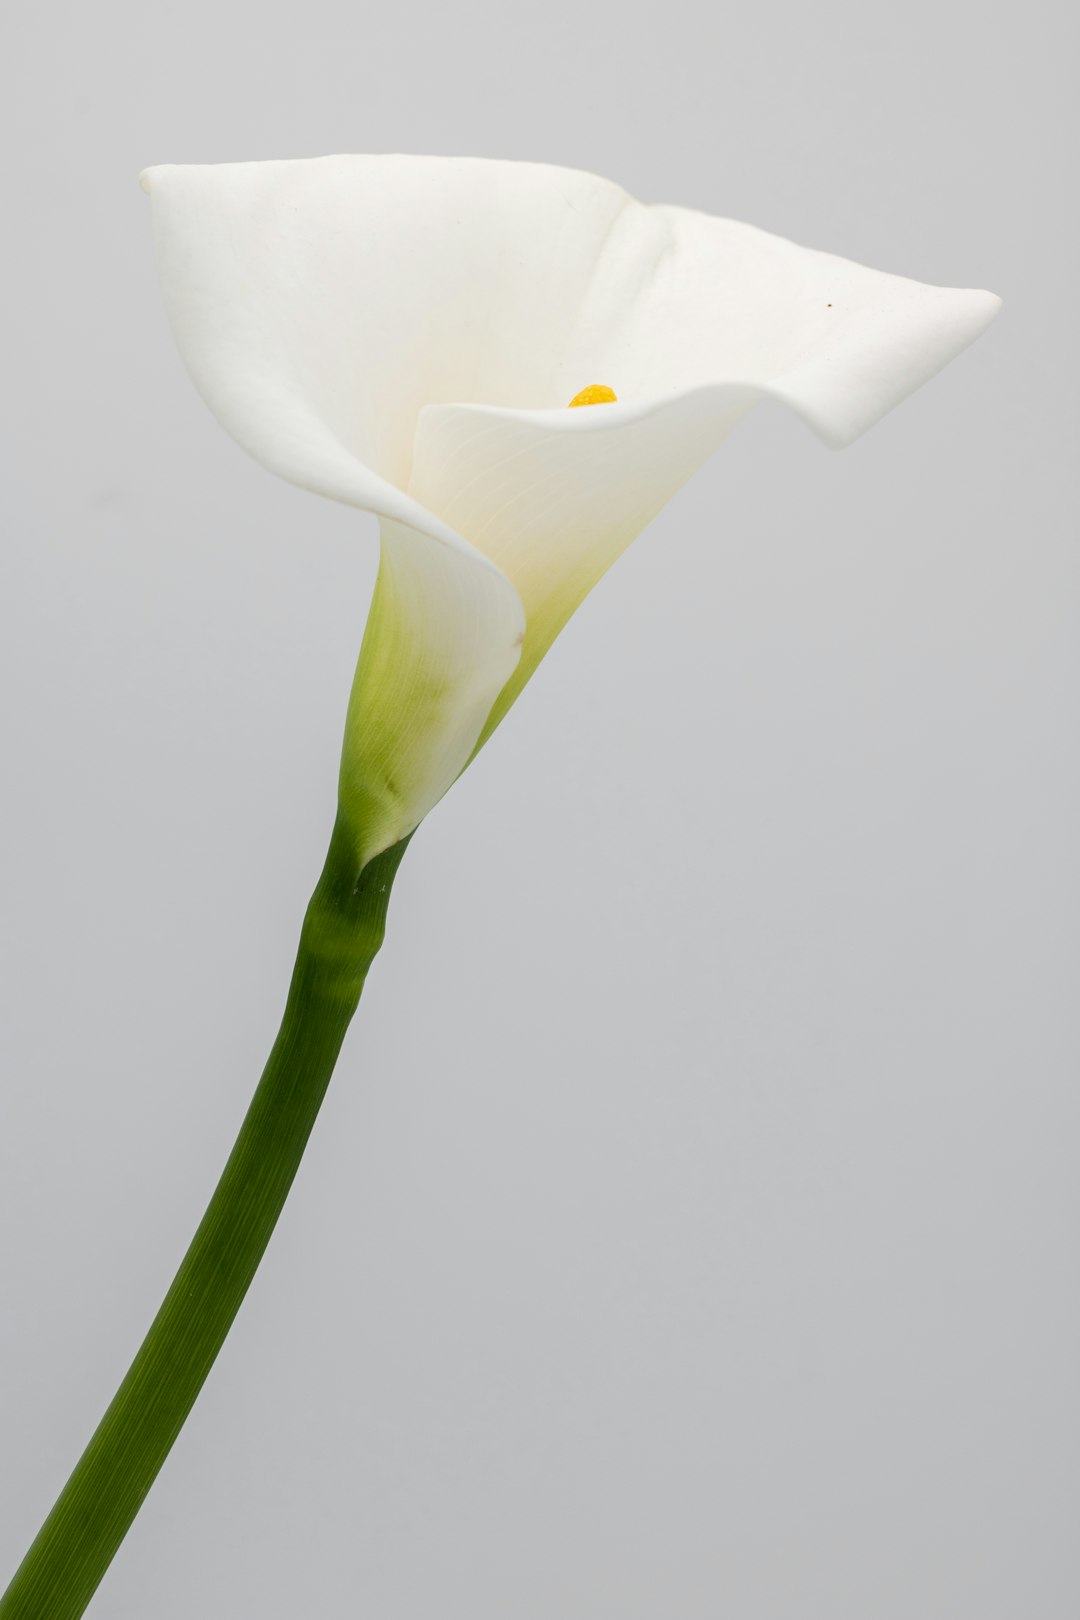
x=404 y=334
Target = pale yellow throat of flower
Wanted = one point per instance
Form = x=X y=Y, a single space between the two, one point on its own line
x=549 y=611
x=402 y=729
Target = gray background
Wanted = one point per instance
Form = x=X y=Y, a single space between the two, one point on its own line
x=691 y=1228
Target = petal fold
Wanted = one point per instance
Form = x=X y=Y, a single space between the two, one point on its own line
x=443 y=636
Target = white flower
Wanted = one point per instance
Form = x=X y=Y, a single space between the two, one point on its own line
x=405 y=333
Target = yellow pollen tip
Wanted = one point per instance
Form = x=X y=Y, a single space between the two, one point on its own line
x=595 y=394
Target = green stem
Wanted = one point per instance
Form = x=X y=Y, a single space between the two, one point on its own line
x=342 y=932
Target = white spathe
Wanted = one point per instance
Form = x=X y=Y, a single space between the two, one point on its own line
x=404 y=334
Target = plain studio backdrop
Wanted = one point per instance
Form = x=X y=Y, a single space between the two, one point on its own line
x=691 y=1227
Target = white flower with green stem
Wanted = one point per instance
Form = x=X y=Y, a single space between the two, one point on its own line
x=406 y=335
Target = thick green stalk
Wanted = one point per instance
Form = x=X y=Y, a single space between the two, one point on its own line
x=342 y=931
